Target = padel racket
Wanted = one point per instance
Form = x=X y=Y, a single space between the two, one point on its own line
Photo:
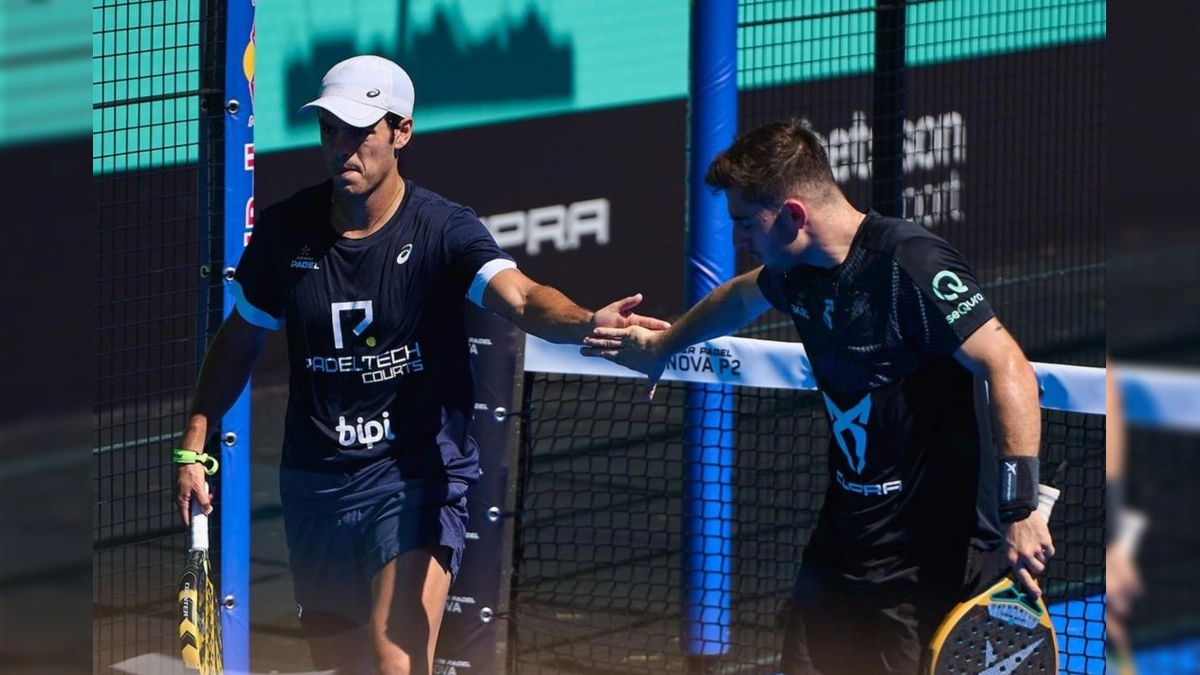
x=1001 y=631
x=198 y=608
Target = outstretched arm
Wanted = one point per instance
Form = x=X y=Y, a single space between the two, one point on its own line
x=730 y=306
x=545 y=312
x=727 y=308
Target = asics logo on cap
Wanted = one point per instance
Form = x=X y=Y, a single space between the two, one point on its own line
x=361 y=89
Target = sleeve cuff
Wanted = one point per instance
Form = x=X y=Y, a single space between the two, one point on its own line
x=250 y=313
x=484 y=276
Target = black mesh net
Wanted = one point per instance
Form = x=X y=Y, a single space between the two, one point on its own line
x=599 y=567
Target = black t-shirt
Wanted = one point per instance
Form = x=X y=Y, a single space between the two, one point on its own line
x=910 y=469
x=380 y=390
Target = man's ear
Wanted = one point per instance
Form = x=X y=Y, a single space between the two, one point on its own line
x=795 y=215
x=402 y=134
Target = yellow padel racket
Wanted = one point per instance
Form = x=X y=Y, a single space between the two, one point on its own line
x=198 y=608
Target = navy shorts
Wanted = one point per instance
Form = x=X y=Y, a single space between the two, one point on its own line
x=335 y=556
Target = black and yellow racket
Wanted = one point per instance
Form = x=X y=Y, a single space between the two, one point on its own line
x=198 y=606
x=1001 y=631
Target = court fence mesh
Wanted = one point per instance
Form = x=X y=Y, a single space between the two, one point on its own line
x=157 y=209
x=982 y=121
x=598 y=581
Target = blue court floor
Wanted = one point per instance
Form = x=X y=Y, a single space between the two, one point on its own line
x=1080 y=626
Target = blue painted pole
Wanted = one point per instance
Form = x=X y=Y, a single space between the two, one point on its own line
x=708 y=436
x=234 y=497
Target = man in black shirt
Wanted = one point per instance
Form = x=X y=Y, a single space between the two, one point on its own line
x=367 y=274
x=919 y=513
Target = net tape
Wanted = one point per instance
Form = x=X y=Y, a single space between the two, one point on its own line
x=1153 y=396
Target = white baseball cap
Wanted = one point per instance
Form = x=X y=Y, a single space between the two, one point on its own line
x=362 y=89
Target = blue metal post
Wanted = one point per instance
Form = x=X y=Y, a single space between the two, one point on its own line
x=234 y=496
x=709 y=440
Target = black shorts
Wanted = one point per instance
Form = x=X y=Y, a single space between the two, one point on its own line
x=837 y=625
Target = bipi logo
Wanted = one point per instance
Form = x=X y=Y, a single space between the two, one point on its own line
x=368 y=433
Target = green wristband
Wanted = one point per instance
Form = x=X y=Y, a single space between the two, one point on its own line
x=209 y=462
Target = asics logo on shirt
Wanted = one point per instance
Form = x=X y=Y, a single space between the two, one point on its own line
x=404 y=253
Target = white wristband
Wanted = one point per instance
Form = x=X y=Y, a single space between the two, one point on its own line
x=1046 y=498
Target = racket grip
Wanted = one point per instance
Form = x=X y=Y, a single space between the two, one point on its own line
x=1046 y=497
x=199 y=525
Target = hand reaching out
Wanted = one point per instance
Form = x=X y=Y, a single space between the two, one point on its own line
x=620 y=315
x=635 y=347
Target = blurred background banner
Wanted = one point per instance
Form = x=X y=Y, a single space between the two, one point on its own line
x=478 y=63
x=45 y=368
x=43 y=65
x=592 y=176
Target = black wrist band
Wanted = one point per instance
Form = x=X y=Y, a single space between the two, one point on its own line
x=1018 y=488
x=1114 y=501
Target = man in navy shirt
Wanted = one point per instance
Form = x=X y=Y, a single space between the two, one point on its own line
x=919 y=512
x=367 y=274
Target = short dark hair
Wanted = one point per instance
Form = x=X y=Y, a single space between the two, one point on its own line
x=774 y=161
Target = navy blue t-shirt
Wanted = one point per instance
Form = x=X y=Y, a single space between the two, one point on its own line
x=911 y=469
x=380 y=390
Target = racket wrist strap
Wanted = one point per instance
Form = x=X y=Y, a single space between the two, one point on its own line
x=1018 y=488
x=181 y=456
